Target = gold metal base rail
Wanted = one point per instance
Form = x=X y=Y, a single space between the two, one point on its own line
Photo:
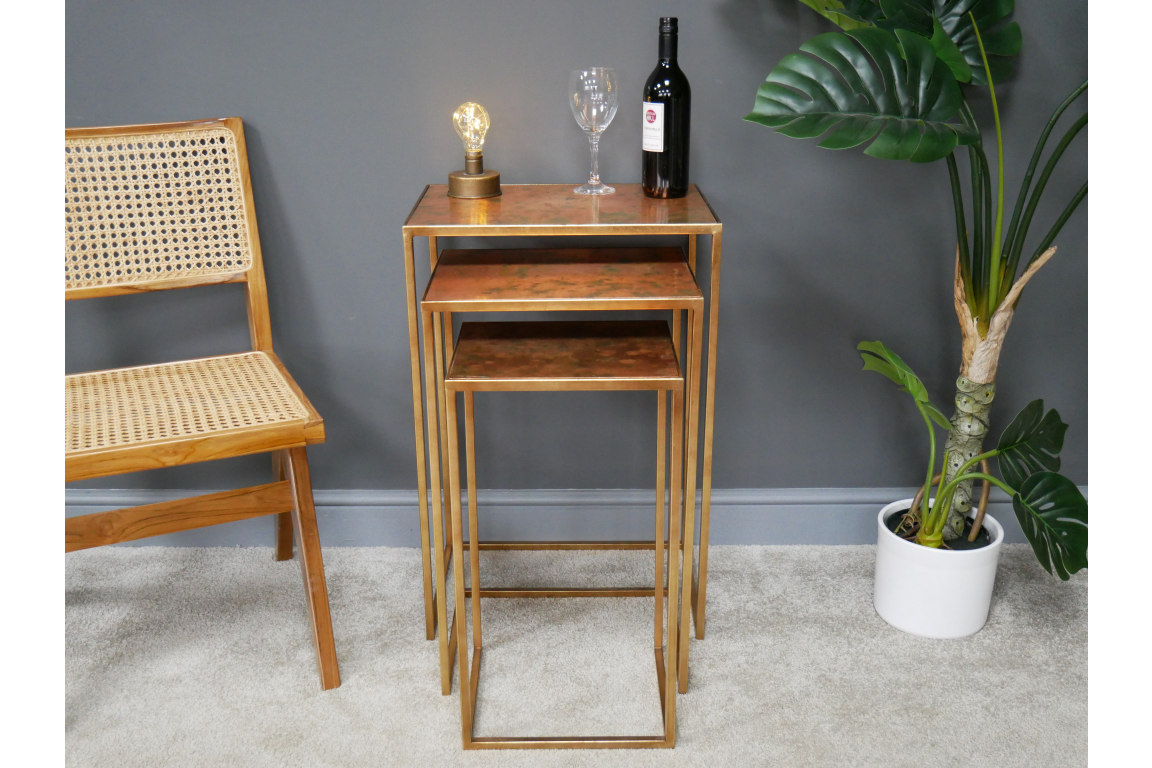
x=566 y=742
x=562 y=592
x=536 y=546
x=565 y=545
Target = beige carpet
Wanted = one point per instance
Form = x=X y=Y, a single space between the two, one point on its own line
x=202 y=657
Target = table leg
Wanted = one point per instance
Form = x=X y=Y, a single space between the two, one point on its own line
x=473 y=522
x=442 y=331
x=438 y=347
x=661 y=499
x=418 y=418
x=700 y=590
x=464 y=679
x=674 y=570
x=695 y=335
x=437 y=518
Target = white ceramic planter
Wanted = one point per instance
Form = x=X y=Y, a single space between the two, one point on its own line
x=935 y=593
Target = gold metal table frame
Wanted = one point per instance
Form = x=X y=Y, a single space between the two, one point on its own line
x=509 y=357
x=543 y=210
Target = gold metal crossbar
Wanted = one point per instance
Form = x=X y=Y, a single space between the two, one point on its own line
x=571 y=592
x=529 y=546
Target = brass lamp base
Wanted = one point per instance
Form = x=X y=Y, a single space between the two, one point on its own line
x=474 y=185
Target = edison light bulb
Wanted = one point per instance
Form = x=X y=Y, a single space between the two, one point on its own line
x=471 y=123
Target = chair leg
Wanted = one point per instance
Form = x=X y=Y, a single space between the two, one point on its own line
x=284 y=519
x=312 y=567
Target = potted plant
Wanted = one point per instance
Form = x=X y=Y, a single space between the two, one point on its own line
x=894 y=78
x=929 y=587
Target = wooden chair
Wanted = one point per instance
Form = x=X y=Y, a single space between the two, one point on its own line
x=153 y=207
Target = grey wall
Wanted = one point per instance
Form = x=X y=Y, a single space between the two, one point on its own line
x=347 y=109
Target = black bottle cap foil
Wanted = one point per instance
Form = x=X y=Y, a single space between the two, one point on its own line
x=668 y=25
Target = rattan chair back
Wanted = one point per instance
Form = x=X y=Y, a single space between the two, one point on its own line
x=168 y=205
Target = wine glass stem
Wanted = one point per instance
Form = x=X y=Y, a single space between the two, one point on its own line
x=594 y=147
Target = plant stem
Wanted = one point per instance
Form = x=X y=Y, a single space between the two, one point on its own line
x=969 y=119
x=998 y=483
x=976 y=460
x=1047 y=241
x=994 y=261
x=961 y=231
x=950 y=486
x=947 y=492
x=1034 y=200
x=1021 y=198
x=977 y=230
x=983 y=508
x=987 y=305
x=976 y=269
x=943 y=503
x=931 y=463
x=970 y=424
x=920 y=494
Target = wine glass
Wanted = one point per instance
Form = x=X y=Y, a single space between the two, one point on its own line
x=594 y=95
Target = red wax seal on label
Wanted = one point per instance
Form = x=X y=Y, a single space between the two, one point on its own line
x=650 y=115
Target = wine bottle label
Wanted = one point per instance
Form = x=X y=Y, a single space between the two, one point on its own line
x=653 y=126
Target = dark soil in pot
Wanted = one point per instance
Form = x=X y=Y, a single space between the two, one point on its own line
x=959 y=544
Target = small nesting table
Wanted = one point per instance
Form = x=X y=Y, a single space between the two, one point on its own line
x=575 y=279
x=554 y=356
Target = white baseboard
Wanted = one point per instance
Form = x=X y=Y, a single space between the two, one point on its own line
x=368 y=518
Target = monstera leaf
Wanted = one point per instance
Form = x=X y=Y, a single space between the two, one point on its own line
x=950 y=17
x=999 y=41
x=948 y=52
x=1054 y=516
x=886 y=362
x=868 y=83
x=847 y=14
x=1031 y=444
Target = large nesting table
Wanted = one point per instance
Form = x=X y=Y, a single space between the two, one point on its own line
x=505 y=280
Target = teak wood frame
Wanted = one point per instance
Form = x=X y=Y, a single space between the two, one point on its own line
x=472 y=221
x=289 y=497
x=666 y=666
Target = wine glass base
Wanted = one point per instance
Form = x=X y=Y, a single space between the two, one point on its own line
x=594 y=189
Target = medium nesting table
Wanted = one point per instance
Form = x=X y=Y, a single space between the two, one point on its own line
x=544 y=279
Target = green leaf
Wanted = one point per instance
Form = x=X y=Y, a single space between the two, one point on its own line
x=905 y=14
x=949 y=53
x=1001 y=41
x=938 y=417
x=849 y=14
x=868 y=83
x=1054 y=516
x=883 y=368
x=1031 y=444
x=886 y=362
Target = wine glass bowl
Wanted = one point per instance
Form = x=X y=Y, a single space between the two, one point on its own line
x=594 y=96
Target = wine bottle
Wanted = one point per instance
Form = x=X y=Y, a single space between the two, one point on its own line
x=667 y=118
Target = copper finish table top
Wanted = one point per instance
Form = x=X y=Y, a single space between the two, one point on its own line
x=621 y=354
x=564 y=279
x=554 y=209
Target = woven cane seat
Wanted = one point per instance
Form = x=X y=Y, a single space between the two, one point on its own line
x=153 y=208
x=133 y=410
